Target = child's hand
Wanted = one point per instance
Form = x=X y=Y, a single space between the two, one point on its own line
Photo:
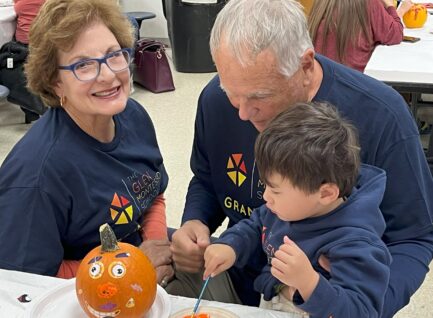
x=404 y=7
x=292 y=267
x=218 y=258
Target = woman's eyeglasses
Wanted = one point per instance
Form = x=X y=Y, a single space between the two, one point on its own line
x=88 y=69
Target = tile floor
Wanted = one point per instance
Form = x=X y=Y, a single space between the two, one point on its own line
x=173 y=115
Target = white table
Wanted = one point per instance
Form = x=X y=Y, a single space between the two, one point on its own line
x=406 y=65
x=7 y=24
x=14 y=284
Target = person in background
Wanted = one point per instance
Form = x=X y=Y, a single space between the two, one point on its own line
x=26 y=11
x=347 y=31
x=93 y=158
x=14 y=79
x=266 y=62
x=318 y=201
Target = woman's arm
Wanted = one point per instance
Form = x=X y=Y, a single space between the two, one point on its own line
x=68 y=269
x=154 y=225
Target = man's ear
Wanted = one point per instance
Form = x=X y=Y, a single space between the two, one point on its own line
x=329 y=192
x=307 y=65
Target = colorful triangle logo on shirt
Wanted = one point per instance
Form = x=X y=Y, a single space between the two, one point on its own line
x=121 y=210
x=236 y=169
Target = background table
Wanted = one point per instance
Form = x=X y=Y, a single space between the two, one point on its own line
x=408 y=67
x=14 y=284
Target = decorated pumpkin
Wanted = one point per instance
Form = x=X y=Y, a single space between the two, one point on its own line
x=115 y=279
x=415 y=17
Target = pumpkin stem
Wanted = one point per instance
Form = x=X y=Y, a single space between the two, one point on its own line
x=108 y=239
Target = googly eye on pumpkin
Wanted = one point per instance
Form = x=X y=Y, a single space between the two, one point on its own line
x=117 y=270
x=96 y=270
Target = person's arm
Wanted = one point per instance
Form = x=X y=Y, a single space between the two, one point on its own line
x=410 y=265
x=155 y=242
x=201 y=202
x=358 y=281
x=408 y=210
x=154 y=224
x=245 y=237
x=202 y=214
x=386 y=25
x=404 y=7
x=68 y=269
x=31 y=229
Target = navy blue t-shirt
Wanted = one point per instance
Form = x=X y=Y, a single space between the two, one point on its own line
x=58 y=185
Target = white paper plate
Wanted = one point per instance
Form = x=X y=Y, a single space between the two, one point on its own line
x=62 y=302
x=214 y=312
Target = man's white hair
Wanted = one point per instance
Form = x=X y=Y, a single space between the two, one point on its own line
x=249 y=27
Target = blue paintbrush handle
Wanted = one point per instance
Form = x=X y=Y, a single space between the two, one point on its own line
x=201 y=295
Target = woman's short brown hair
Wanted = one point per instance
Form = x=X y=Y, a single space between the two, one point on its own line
x=310 y=144
x=57 y=27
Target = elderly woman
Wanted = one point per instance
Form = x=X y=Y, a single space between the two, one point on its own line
x=93 y=158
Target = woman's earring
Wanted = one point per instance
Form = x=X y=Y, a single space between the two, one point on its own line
x=62 y=100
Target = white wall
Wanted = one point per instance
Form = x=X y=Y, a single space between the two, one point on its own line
x=152 y=28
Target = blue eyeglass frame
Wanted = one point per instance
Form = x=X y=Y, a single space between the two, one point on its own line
x=101 y=60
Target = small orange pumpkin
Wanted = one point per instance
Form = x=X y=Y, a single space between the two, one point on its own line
x=415 y=17
x=115 y=279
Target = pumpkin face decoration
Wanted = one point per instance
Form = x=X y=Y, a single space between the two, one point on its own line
x=115 y=279
x=415 y=17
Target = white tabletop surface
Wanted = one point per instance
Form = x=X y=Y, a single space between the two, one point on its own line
x=14 y=284
x=405 y=62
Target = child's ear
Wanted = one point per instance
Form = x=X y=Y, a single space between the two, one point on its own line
x=329 y=192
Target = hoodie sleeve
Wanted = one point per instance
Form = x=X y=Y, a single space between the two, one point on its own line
x=356 y=288
x=266 y=284
x=244 y=238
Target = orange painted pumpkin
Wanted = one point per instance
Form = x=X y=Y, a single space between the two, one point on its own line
x=415 y=17
x=115 y=279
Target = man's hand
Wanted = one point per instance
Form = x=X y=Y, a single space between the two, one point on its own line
x=188 y=245
x=292 y=267
x=218 y=258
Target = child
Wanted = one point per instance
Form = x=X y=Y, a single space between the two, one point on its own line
x=320 y=204
x=347 y=31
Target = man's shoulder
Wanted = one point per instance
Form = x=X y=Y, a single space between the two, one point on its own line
x=337 y=78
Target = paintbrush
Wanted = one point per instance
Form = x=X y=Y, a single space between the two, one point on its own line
x=199 y=297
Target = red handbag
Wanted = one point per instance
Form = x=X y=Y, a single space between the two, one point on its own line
x=152 y=70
